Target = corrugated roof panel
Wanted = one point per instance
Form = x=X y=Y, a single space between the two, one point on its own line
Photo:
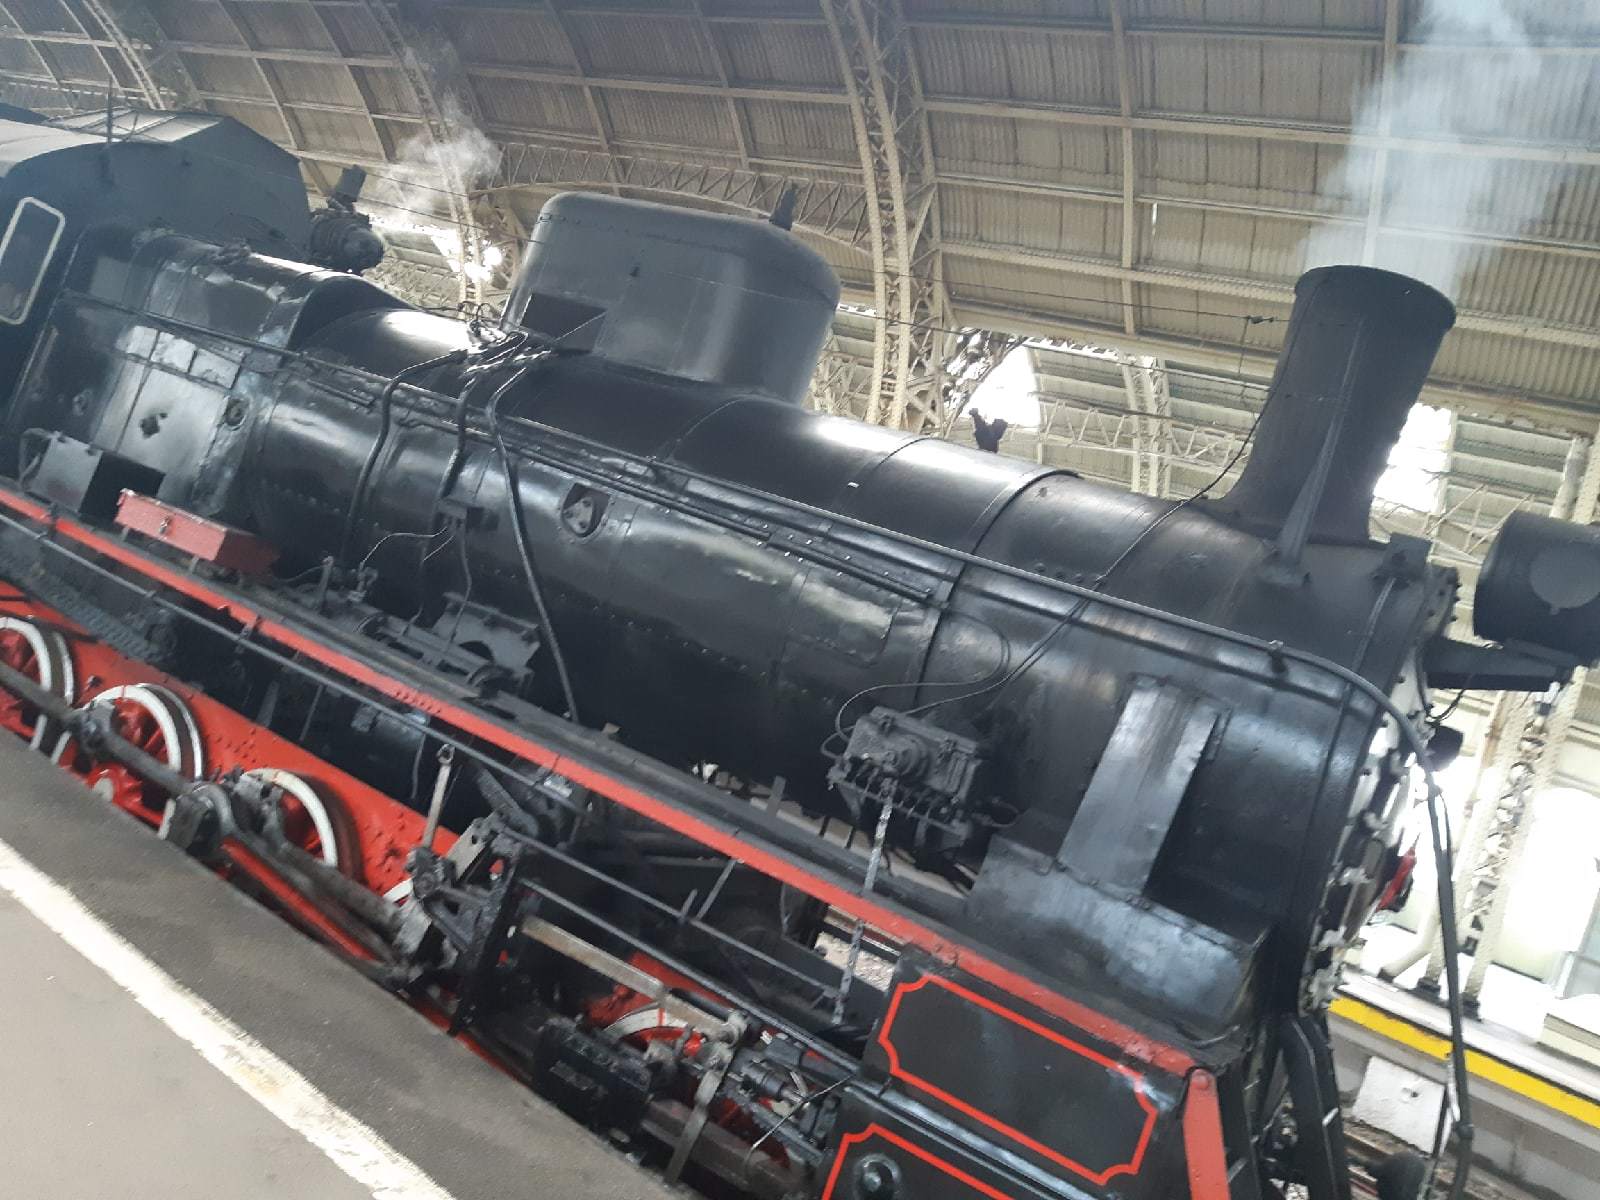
x=801 y=132
x=1223 y=321
x=1251 y=77
x=533 y=107
x=1561 y=289
x=1041 y=223
x=522 y=37
x=315 y=82
x=744 y=8
x=1073 y=155
x=1558 y=19
x=1519 y=366
x=282 y=25
x=17 y=56
x=1076 y=69
x=354 y=29
x=260 y=117
x=1530 y=445
x=794 y=55
x=641 y=45
x=673 y=119
x=1296 y=175
x=1287 y=14
x=1471 y=192
x=43 y=15
x=389 y=89
x=227 y=76
x=1499 y=95
x=1068 y=10
x=336 y=132
x=998 y=285
x=1223 y=243
x=195 y=21
x=75 y=62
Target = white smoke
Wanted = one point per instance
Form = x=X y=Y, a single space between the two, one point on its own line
x=419 y=197
x=430 y=168
x=1450 y=98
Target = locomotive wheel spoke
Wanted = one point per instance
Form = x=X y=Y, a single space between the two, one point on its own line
x=157 y=722
x=42 y=655
x=317 y=824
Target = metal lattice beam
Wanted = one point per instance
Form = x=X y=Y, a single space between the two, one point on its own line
x=109 y=15
x=872 y=41
x=423 y=284
x=1145 y=380
x=1119 y=46
x=835 y=383
x=580 y=67
x=1522 y=746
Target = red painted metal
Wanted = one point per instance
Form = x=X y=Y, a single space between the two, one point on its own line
x=15 y=715
x=211 y=541
x=1203 y=1146
x=385 y=830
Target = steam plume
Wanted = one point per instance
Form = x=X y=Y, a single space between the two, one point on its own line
x=427 y=168
x=1453 y=98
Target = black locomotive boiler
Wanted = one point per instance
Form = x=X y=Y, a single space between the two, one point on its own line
x=1150 y=757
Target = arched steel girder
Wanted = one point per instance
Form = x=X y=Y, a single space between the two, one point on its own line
x=123 y=28
x=872 y=41
x=116 y=19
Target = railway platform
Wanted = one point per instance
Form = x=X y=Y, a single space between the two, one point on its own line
x=165 y=1036
x=1536 y=1111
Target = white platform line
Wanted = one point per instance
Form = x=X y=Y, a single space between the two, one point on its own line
x=262 y=1075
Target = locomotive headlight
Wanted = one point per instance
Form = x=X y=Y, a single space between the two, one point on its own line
x=1540 y=586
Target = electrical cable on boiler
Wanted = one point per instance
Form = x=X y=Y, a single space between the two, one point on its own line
x=519 y=529
x=358 y=493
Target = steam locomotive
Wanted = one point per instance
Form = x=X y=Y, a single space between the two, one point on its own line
x=719 y=765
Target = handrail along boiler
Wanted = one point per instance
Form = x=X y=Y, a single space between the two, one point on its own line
x=1122 y=778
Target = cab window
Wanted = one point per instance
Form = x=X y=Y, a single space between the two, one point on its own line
x=25 y=253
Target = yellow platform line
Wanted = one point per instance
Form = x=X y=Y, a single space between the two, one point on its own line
x=1484 y=1066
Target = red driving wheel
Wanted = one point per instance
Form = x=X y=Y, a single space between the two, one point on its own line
x=42 y=655
x=318 y=825
x=160 y=724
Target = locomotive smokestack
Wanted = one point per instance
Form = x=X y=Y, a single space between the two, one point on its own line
x=1359 y=347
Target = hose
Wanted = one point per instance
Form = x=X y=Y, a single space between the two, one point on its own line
x=519 y=529
x=358 y=494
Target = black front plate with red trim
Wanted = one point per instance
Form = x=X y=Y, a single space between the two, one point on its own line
x=1046 y=1106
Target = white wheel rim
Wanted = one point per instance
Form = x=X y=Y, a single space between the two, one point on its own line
x=308 y=799
x=180 y=735
x=189 y=727
x=51 y=652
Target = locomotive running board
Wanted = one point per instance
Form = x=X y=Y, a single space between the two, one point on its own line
x=944 y=981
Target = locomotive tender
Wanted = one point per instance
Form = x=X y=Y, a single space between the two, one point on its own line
x=1118 y=779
